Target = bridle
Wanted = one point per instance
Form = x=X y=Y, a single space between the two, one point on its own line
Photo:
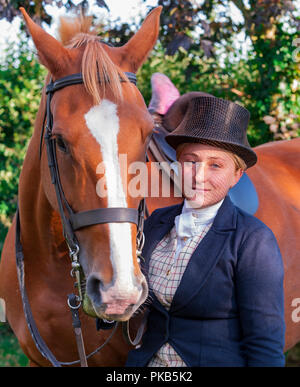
x=71 y=222
x=77 y=220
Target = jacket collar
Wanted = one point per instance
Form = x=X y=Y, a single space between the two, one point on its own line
x=224 y=220
x=168 y=217
x=226 y=217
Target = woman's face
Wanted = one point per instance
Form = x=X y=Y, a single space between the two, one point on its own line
x=207 y=174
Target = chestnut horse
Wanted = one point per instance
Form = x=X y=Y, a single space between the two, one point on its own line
x=276 y=178
x=92 y=125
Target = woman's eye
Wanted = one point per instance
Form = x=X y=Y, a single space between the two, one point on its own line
x=61 y=144
x=216 y=166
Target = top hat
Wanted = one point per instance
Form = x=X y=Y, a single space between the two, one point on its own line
x=198 y=117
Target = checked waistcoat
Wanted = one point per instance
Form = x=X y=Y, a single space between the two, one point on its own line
x=165 y=273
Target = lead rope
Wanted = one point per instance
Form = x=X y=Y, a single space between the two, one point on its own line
x=74 y=307
x=74 y=303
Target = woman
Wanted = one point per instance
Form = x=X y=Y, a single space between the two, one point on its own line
x=215 y=272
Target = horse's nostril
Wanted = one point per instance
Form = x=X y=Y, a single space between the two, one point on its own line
x=93 y=287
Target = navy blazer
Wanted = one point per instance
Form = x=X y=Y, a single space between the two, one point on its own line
x=228 y=309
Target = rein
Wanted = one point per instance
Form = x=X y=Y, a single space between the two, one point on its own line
x=72 y=221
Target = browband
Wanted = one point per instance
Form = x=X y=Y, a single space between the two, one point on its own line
x=76 y=79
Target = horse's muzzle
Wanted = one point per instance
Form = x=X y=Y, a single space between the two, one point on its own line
x=115 y=302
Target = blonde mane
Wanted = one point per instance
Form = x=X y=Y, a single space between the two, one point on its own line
x=98 y=70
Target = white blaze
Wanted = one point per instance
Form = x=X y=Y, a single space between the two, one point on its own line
x=103 y=122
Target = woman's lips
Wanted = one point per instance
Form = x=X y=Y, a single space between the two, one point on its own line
x=200 y=189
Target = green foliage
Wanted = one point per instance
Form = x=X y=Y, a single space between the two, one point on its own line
x=275 y=104
x=11 y=354
x=21 y=79
x=266 y=82
x=10 y=9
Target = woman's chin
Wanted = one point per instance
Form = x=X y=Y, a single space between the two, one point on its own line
x=196 y=200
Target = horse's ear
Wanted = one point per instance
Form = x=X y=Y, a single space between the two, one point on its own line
x=51 y=52
x=136 y=50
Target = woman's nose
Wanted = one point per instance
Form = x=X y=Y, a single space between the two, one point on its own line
x=200 y=172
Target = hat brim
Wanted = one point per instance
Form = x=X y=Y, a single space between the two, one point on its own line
x=246 y=154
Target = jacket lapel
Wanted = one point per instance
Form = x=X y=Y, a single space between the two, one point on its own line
x=206 y=255
x=158 y=231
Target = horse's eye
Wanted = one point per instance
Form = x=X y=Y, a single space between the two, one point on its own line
x=61 y=144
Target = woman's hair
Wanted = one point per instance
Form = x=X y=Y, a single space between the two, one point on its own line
x=238 y=161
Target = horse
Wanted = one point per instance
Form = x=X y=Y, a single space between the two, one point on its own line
x=276 y=182
x=90 y=114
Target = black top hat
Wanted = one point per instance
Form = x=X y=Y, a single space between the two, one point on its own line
x=202 y=118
